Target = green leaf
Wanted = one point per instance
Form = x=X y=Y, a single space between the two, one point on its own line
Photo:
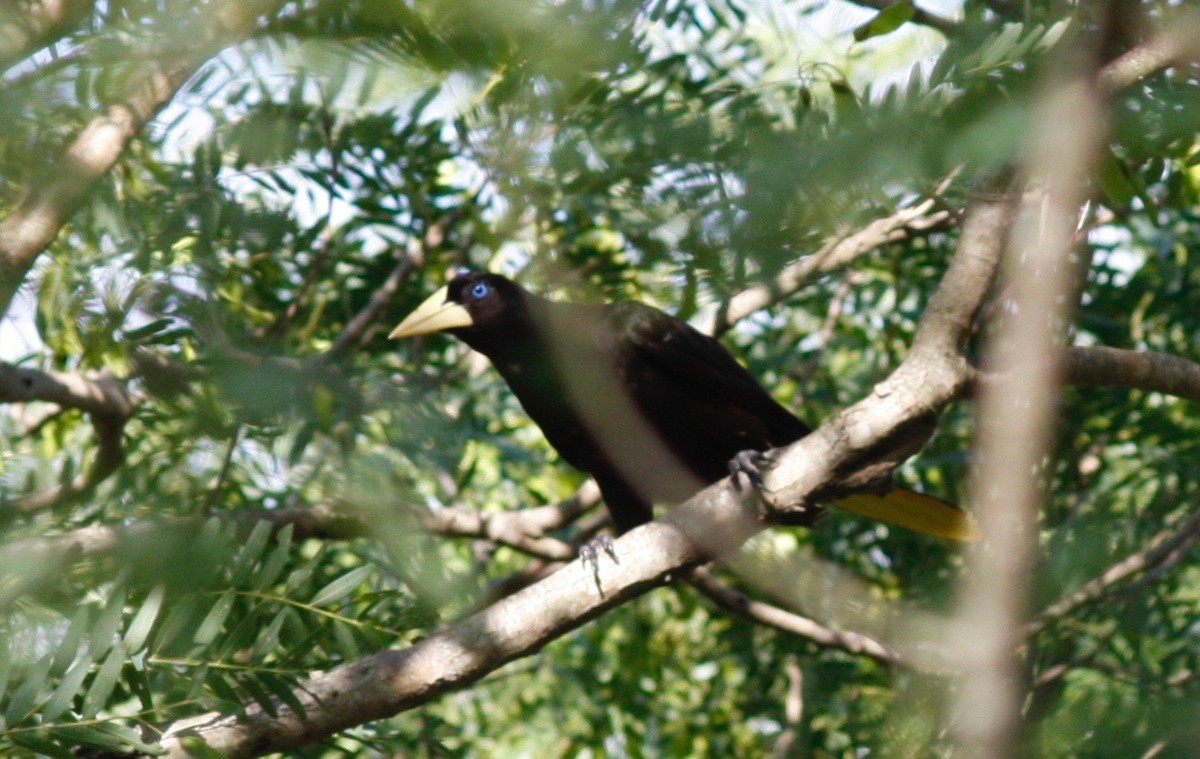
x=29 y=692
x=250 y=552
x=1115 y=182
x=198 y=748
x=342 y=586
x=109 y=736
x=267 y=640
x=143 y=622
x=284 y=689
x=178 y=617
x=67 y=689
x=106 y=679
x=68 y=648
x=221 y=684
x=146 y=330
x=103 y=634
x=6 y=667
x=886 y=21
x=199 y=681
x=347 y=643
x=251 y=685
x=139 y=682
x=304 y=436
x=41 y=744
x=299 y=578
x=276 y=561
x=206 y=633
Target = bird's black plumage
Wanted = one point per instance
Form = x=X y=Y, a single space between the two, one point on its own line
x=652 y=408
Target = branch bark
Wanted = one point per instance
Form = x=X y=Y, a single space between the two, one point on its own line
x=98 y=393
x=525 y=530
x=1176 y=42
x=1098 y=366
x=108 y=404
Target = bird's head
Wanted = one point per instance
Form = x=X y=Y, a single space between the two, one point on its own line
x=473 y=306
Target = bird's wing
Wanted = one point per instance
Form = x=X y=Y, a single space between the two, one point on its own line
x=678 y=354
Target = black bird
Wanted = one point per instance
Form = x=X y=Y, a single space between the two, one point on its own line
x=642 y=401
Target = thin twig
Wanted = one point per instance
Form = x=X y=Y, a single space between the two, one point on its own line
x=1163 y=547
x=837 y=252
x=781 y=619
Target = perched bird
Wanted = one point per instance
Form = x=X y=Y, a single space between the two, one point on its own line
x=653 y=409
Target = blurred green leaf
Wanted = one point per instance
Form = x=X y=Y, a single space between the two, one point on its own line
x=886 y=21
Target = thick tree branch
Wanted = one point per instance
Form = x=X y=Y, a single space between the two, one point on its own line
x=1143 y=370
x=935 y=371
x=37 y=219
x=98 y=393
x=1177 y=42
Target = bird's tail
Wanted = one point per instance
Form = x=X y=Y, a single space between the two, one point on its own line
x=913 y=510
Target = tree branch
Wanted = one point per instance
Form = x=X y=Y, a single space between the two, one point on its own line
x=836 y=253
x=525 y=529
x=1144 y=370
x=104 y=398
x=935 y=371
x=51 y=200
x=1165 y=546
x=61 y=551
x=743 y=605
x=98 y=393
x=1176 y=42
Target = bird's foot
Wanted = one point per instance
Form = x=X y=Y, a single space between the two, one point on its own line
x=749 y=464
x=590 y=551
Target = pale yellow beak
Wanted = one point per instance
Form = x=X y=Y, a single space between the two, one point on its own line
x=435 y=314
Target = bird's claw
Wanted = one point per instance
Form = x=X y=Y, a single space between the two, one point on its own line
x=748 y=464
x=589 y=554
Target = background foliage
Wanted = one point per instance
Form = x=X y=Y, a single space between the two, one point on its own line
x=675 y=152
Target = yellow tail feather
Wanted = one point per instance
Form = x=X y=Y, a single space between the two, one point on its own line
x=916 y=511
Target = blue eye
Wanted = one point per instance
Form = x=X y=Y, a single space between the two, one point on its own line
x=480 y=290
